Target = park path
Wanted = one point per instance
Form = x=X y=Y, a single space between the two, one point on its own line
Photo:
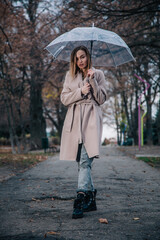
x=38 y=204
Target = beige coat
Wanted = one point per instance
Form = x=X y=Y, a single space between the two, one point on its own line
x=83 y=122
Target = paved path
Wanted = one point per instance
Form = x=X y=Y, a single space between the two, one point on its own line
x=38 y=203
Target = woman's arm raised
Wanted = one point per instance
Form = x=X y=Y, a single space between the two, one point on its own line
x=99 y=87
x=69 y=96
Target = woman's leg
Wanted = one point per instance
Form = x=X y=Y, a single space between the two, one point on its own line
x=85 y=182
x=85 y=192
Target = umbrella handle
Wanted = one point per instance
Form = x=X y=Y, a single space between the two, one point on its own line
x=88 y=81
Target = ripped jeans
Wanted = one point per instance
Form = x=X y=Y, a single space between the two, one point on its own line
x=85 y=182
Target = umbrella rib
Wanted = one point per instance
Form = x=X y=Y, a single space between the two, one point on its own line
x=58 y=51
x=111 y=55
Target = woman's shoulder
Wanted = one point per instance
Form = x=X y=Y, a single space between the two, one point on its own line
x=68 y=76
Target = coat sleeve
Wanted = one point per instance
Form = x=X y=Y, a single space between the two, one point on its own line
x=69 y=96
x=99 y=87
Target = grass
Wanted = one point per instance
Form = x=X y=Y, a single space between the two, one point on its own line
x=22 y=161
x=152 y=161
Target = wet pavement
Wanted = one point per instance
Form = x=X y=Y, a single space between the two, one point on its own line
x=38 y=203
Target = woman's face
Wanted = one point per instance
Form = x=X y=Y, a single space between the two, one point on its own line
x=81 y=58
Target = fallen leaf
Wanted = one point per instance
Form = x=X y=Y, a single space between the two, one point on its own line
x=33 y=199
x=103 y=220
x=12 y=174
x=136 y=218
x=31 y=220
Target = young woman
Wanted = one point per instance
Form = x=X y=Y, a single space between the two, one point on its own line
x=83 y=92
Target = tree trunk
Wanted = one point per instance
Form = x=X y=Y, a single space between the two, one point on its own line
x=61 y=112
x=37 y=121
x=130 y=131
x=135 y=120
x=11 y=133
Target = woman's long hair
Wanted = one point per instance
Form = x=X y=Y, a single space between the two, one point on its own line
x=74 y=69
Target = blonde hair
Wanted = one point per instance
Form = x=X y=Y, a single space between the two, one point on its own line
x=74 y=69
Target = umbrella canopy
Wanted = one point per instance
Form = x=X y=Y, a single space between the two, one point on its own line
x=106 y=47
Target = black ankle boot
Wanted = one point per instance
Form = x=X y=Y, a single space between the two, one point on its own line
x=78 y=206
x=90 y=201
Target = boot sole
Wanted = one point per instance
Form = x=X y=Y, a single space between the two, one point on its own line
x=89 y=210
x=77 y=216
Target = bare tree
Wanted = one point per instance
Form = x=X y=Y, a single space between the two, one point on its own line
x=25 y=31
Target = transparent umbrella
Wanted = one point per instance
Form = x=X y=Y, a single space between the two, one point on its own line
x=106 y=47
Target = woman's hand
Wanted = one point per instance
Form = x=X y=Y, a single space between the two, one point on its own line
x=91 y=73
x=86 y=88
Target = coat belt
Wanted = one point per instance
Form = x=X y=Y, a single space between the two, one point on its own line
x=71 y=110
